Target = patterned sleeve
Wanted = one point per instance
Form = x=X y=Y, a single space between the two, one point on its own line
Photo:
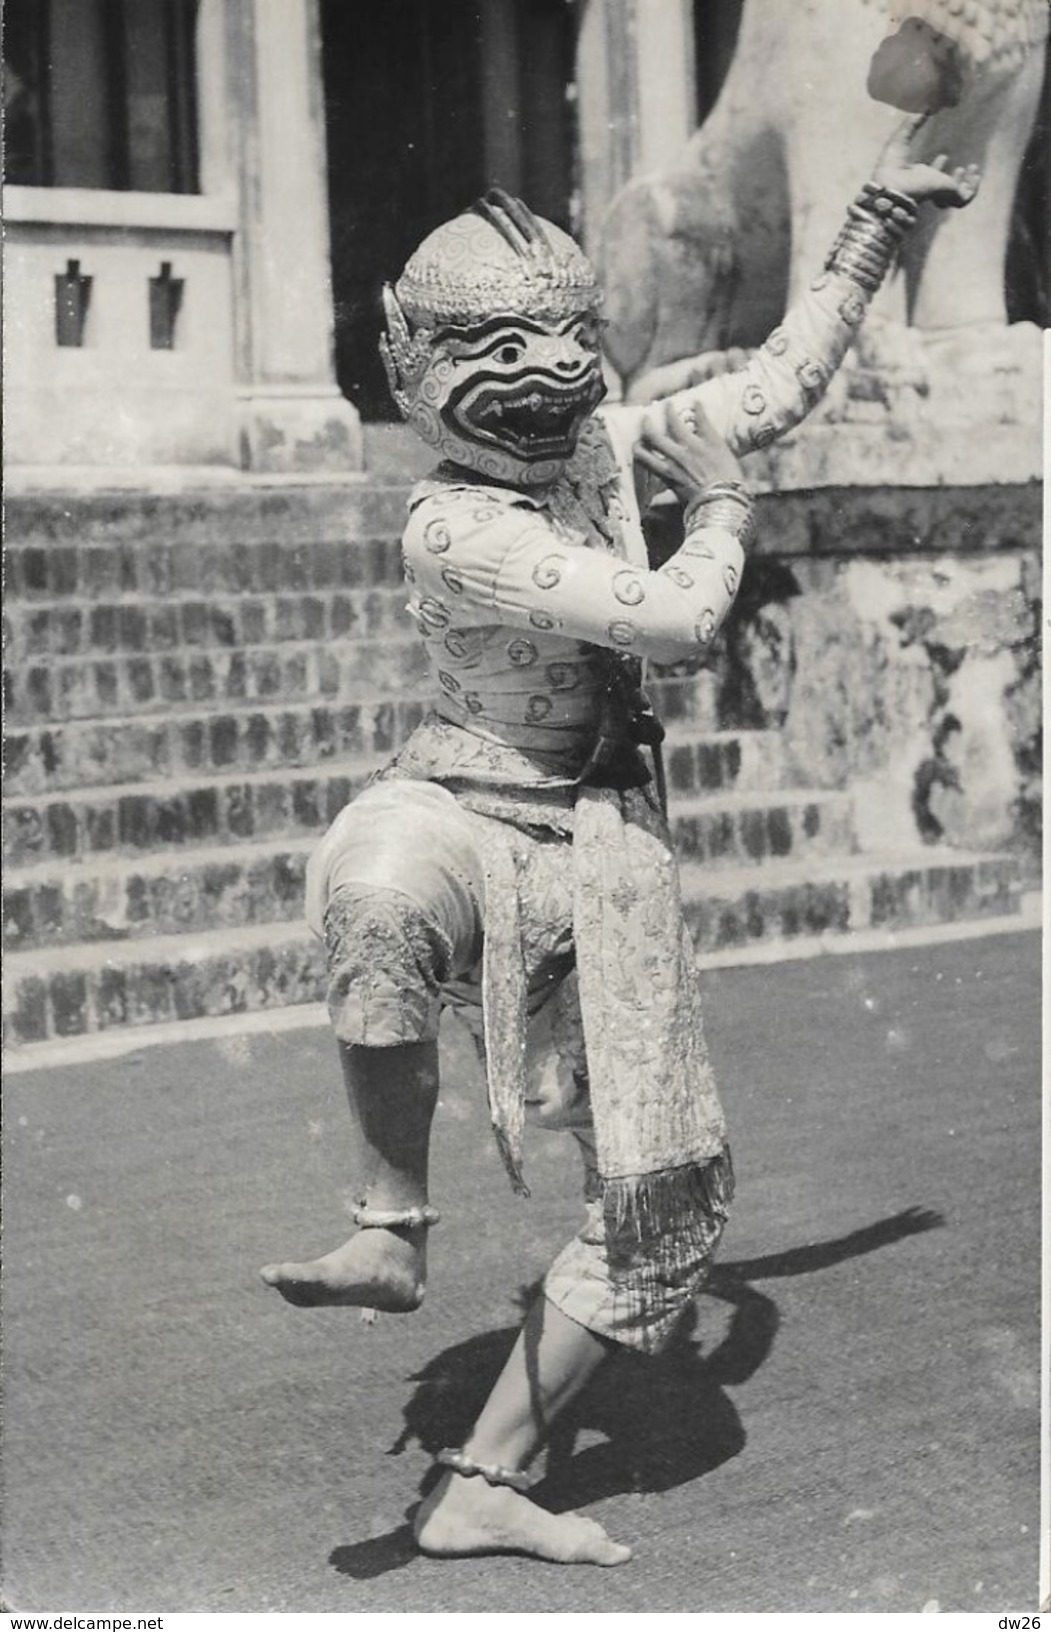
x=512 y=565
x=779 y=385
x=783 y=380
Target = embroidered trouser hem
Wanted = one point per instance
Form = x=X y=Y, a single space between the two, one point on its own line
x=581 y=1284
x=387 y=960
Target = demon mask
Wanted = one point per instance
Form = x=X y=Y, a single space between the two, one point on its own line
x=492 y=344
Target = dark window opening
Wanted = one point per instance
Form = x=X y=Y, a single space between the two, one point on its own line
x=1028 y=270
x=72 y=298
x=100 y=93
x=165 y=302
x=715 y=28
x=426 y=107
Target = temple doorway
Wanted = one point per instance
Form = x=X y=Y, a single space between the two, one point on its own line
x=425 y=107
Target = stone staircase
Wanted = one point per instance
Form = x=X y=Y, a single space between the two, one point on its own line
x=764 y=861
x=197 y=684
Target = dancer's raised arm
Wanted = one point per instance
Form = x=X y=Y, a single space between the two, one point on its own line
x=754 y=405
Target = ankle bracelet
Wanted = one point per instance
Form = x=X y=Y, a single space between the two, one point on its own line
x=492 y=1473
x=408 y=1218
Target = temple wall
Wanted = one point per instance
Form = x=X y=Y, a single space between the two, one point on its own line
x=242 y=373
x=116 y=398
x=890 y=624
x=906 y=671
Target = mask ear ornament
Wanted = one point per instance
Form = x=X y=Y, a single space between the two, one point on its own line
x=404 y=355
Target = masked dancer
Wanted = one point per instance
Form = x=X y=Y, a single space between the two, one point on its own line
x=513 y=862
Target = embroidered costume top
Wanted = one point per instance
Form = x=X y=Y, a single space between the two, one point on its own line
x=520 y=593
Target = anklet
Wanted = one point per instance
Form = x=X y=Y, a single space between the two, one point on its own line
x=493 y=1474
x=410 y=1218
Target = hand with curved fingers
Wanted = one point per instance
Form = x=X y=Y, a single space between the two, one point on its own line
x=925 y=181
x=686 y=455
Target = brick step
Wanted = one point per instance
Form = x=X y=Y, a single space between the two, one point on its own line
x=747 y=827
x=196 y=888
x=75 y=990
x=179 y=977
x=87 y=688
x=134 y=748
x=132 y=819
x=787 y=899
x=687 y=700
x=255 y=539
x=169 y=565
x=278 y=799
x=698 y=761
x=118 y=899
x=84 y=754
x=150 y=682
x=134 y=624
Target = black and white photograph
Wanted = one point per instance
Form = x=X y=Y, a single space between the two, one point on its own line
x=523 y=698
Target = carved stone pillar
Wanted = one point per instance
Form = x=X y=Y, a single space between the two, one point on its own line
x=636 y=94
x=292 y=416
x=667 y=89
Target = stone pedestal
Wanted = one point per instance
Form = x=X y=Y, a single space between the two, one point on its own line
x=890 y=635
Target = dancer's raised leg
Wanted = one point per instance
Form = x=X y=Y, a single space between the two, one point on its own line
x=392 y=1094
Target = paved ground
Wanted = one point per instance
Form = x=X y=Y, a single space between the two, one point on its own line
x=851 y=1425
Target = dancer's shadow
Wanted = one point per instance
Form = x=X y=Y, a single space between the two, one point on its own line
x=665 y=1419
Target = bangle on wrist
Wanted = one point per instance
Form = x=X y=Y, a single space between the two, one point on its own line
x=735 y=491
x=727 y=505
x=868 y=241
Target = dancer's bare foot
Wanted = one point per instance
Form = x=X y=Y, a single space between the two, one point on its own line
x=382 y=1269
x=467 y=1516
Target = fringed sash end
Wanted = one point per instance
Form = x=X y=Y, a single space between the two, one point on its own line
x=653 y=1218
x=512 y=1162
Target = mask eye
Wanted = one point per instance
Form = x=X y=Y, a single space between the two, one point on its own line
x=510 y=351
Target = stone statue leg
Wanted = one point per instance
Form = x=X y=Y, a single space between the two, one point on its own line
x=832 y=143
x=955 y=262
